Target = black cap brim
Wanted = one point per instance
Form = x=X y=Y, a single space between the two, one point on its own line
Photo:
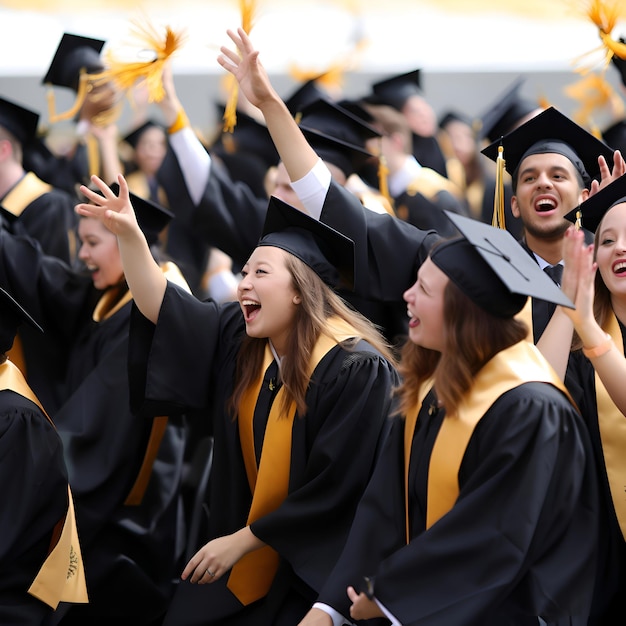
x=595 y=207
x=508 y=261
x=327 y=251
x=20 y=122
x=74 y=53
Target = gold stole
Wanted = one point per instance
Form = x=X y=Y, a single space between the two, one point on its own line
x=612 y=425
x=251 y=577
x=24 y=193
x=409 y=430
x=105 y=308
x=510 y=368
x=61 y=578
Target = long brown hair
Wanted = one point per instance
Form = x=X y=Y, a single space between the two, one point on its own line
x=318 y=303
x=473 y=337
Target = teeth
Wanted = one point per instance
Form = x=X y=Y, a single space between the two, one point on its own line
x=249 y=303
x=619 y=266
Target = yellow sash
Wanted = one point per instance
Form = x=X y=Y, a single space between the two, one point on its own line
x=252 y=576
x=24 y=193
x=510 y=368
x=61 y=577
x=409 y=430
x=612 y=425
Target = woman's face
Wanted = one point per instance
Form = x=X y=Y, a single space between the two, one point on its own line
x=267 y=296
x=425 y=307
x=100 y=253
x=151 y=150
x=611 y=249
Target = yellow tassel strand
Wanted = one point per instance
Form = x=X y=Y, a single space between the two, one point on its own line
x=125 y=74
x=498 y=201
x=247 y=9
x=593 y=92
x=383 y=173
x=53 y=116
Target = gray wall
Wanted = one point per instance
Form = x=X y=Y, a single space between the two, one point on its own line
x=470 y=93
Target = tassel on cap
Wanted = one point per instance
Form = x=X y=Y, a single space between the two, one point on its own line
x=125 y=74
x=497 y=219
x=247 y=9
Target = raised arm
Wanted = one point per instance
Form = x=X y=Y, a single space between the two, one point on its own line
x=294 y=150
x=145 y=279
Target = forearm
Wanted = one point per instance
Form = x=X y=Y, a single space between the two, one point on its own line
x=556 y=340
x=145 y=279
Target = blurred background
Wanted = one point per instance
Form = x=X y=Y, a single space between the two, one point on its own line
x=469 y=51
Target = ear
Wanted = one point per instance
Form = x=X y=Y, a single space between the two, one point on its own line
x=297 y=299
x=515 y=207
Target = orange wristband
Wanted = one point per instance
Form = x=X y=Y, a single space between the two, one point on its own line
x=182 y=121
x=600 y=349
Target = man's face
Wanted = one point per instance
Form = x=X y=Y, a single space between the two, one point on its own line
x=548 y=187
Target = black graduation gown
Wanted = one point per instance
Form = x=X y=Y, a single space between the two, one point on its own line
x=185 y=245
x=33 y=483
x=51 y=220
x=610 y=593
x=131 y=553
x=187 y=361
x=528 y=469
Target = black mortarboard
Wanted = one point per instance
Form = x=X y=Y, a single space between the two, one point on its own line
x=395 y=90
x=74 y=53
x=132 y=139
x=12 y=315
x=552 y=132
x=329 y=253
x=248 y=137
x=455 y=116
x=491 y=268
x=506 y=112
x=151 y=217
x=593 y=209
x=337 y=135
x=615 y=136
x=304 y=95
x=20 y=122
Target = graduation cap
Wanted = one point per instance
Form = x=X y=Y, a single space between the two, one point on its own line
x=552 y=132
x=337 y=135
x=589 y=213
x=12 y=315
x=132 y=139
x=151 y=217
x=248 y=137
x=455 y=116
x=74 y=53
x=396 y=90
x=20 y=122
x=506 y=112
x=491 y=268
x=329 y=253
x=304 y=95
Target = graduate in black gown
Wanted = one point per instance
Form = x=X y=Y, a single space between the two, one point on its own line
x=554 y=164
x=36 y=501
x=125 y=470
x=299 y=386
x=483 y=507
x=40 y=210
x=596 y=371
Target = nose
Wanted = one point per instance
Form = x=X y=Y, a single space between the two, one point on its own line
x=409 y=295
x=82 y=252
x=543 y=180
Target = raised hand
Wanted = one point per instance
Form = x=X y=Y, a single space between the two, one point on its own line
x=115 y=212
x=245 y=66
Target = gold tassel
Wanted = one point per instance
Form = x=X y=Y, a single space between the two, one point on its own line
x=126 y=74
x=83 y=85
x=605 y=14
x=498 y=201
x=247 y=9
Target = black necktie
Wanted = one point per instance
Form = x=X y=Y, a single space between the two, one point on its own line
x=555 y=272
